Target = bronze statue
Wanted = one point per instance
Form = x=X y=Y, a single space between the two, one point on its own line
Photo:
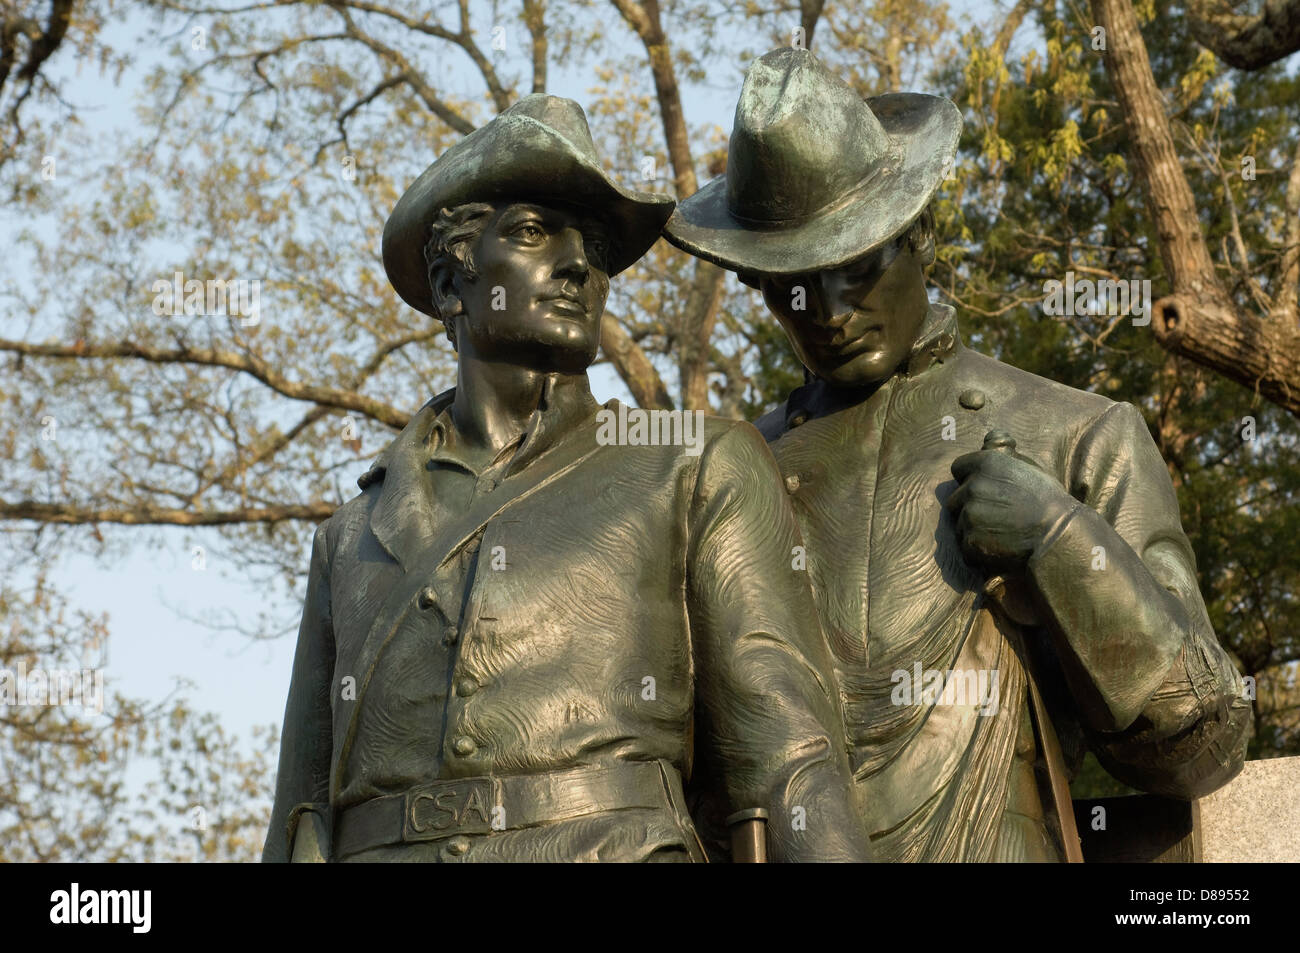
x=524 y=633
x=970 y=526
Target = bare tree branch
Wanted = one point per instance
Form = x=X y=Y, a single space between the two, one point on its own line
x=1246 y=40
x=407 y=71
x=145 y=514
x=246 y=363
x=42 y=42
x=464 y=39
x=535 y=19
x=633 y=366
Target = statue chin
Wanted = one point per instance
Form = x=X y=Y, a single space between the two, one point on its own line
x=566 y=355
x=863 y=371
x=566 y=348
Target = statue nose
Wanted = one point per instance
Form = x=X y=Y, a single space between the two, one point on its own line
x=573 y=258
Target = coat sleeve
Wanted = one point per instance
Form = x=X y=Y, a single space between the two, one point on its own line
x=769 y=722
x=302 y=782
x=1162 y=705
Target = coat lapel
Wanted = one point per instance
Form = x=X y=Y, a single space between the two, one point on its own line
x=402 y=518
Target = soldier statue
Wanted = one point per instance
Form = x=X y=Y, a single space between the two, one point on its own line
x=522 y=637
x=967 y=523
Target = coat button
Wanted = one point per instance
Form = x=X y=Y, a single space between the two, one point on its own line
x=792 y=483
x=971 y=399
x=427 y=598
x=458 y=845
x=798 y=419
x=463 y=746
x=451 y=635
x=466 y=687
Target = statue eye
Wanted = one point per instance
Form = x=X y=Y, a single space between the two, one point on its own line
x=531 y=231
x=598 y=248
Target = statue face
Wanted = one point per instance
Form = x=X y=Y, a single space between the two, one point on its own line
x=540 y=290
x=853 y=326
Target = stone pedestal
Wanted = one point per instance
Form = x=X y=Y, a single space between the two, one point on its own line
x=1254 y=818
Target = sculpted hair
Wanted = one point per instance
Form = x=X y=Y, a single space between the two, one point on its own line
x=449 y=253
x=920 y=235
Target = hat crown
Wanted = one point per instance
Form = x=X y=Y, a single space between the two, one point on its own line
x=563 y=116
x=802 y=141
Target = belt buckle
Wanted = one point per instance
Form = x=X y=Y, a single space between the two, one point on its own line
x=447 y=808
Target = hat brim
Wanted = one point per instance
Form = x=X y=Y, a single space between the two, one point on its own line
x=926 y=130
x=517 y=158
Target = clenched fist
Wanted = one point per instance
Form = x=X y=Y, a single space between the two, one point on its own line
x=1005 y=505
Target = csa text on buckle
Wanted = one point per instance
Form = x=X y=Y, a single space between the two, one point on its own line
x=446 y=809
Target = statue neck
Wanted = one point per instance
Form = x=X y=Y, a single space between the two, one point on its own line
x=495 y=401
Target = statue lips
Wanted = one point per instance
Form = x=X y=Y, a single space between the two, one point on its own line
x=849 y=338
x=567 y=304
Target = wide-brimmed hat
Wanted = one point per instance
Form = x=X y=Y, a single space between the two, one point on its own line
x=537 y=150
x=816 y=176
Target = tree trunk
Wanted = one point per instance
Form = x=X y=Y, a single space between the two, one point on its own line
x=1198 y=319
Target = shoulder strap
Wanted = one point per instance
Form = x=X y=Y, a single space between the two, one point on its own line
x=542 y=473
x=1018 y=612
x=1060 y=785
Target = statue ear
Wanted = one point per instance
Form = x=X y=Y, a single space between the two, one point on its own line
x=923 y=251
x=920 y=239
x=447 y=303
x=446 y=294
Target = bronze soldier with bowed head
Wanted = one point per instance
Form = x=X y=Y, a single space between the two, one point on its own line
x=968 y=523
x=519 y=639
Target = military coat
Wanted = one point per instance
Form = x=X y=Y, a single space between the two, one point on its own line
x=576 y=606
x=1108 y=613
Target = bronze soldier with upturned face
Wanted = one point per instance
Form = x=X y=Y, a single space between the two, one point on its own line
x=967 y=523
x=520 y=639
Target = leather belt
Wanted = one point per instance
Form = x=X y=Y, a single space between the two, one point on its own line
x=487 y=805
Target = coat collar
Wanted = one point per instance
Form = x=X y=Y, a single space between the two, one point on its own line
x=935 y=342
x=402 y=518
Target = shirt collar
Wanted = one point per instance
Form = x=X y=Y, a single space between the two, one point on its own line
x=936 y=340
x=565 y=402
